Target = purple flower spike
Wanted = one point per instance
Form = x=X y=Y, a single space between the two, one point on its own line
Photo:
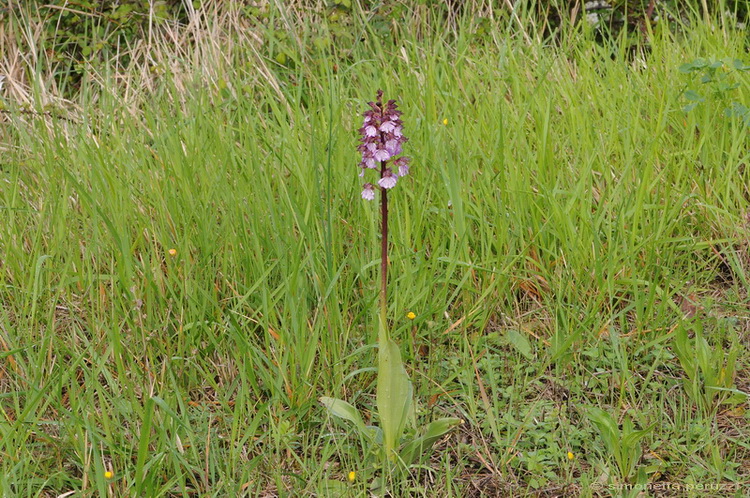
x=381 y=143
x=368 y=191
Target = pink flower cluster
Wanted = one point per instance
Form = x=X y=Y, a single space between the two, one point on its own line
x=382 y=139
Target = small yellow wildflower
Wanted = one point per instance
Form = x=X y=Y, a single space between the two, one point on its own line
x=108 y=475
x=172 y=252
x=410 y=315
x=571 y=456
x=445 y=121
x=352 y=475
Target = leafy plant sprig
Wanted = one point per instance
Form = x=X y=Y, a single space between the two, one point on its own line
x=710 y=371
x=718 y=79
x=623 y=444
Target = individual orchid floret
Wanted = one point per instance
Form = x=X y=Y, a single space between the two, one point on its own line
x=368 y=163
x=387 y=127
x=393 y=147
x=382 y=142
x=389 y=179
x=403 y=165
x=381 y=155
x=368 y=191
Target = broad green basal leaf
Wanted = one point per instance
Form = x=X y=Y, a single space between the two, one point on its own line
x=394 y=395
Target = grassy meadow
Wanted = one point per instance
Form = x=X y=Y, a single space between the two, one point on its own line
x=186 y=264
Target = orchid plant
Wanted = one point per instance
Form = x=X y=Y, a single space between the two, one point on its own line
x=381 y=145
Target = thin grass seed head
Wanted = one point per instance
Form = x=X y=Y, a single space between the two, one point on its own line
x=381 y=143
